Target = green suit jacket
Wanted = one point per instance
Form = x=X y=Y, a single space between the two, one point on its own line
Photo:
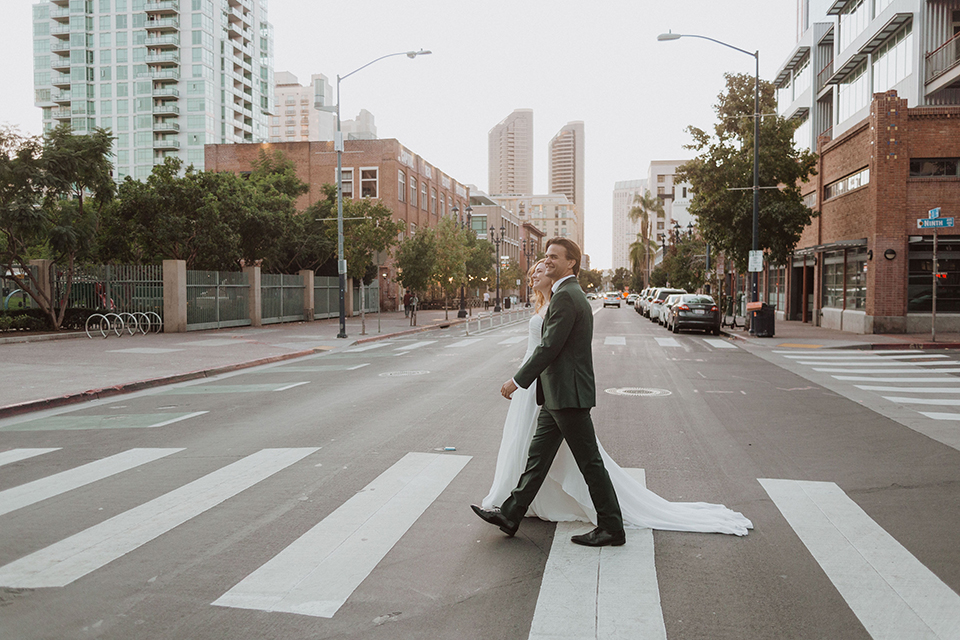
x=564 y=360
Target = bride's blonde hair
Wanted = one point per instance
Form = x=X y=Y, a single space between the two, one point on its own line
x=541 y=299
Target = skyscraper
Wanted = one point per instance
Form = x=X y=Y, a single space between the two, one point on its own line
x=625 y=231
x=166 y=76
x=566 y=154
x=297 y=117
x=511 y=154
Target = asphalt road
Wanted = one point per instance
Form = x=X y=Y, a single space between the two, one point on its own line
x=314 y=498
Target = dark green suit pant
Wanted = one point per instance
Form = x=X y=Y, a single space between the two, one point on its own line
x=576 y=427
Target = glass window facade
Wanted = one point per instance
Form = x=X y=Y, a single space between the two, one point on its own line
x=832 y=280
x=854 y=93
x=920 y=276
x=893 y=61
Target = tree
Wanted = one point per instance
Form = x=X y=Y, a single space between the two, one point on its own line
x=450 y=258
x=415 y=261
x=590 y=279
x=685 y=264
x=640 y=253
x=658 y=277
x=52 y=194
x=644 y=205
x=620 y=278
x=725 y=162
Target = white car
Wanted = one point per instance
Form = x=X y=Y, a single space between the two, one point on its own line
x=659 y=296
x=611 y=299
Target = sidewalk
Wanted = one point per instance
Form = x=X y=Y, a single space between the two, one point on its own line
x=47 y=371
x=805 y=335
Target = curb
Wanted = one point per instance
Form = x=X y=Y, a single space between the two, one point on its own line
x=41 y=337
x=130 y=387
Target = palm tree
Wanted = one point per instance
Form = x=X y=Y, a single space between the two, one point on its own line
x=644 y=205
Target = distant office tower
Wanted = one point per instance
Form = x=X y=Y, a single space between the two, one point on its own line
x=360 y=128
x=511 y=154
x=166 y=76
x=298 y=117
x=625 y=231
x=566 y=155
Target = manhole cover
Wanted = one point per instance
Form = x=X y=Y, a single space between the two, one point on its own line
x=638 y=391
x=398 y=374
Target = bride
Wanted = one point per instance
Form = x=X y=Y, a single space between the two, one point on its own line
x=564 y=495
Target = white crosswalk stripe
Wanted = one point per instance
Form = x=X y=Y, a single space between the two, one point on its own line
x=892 y=594
x=316 y=574
x=16 y=455
x=72 y=558
x=615 y=341
x=44 y=488
x=514 y=340
x=719 y=343
x=667 y=342
x=623 y=580
x=464 y=343
x=414 y=345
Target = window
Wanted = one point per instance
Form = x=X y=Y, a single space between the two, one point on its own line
x=660 y=178
x=832 y=291
x=893 y=61
x=802 y=77
x=346 y=177
x=854 y=93
x=855 y=281
x=423 y=196
x=442 y=208
x=934 y=167
x=413 y=191
x=433 y=201
x=776 y=290
x=413 y=229
x=853 y=20
x=368 y=182
x=920 y=275
x=853 y=181
x=401 y=185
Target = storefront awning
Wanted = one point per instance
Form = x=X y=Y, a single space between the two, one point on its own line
x=830 y=246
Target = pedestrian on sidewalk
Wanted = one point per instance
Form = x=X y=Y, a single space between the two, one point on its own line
x=486 y=300
x=407 y=298
x=414 y=301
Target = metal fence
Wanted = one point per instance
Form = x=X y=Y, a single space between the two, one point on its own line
x=281 y=298
x=116 y=288
x=217 y=299
x=326 y=297
x=13 y=297
x=371 y=295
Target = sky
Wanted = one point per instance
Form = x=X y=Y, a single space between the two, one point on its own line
x=597 y=61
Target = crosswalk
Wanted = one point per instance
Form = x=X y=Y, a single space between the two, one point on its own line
x=584 y=593
x=918 y=376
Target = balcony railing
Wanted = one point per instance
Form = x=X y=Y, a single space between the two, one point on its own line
x=165 y=92
x=943 y=58
x=163 y=6
x=166 y=109
x=172 y=74
x=60 y=114
x=164 y=58
x=163 y=41
x=165 y=143
x=166 y=126
x=823 y=75
x=163 y=23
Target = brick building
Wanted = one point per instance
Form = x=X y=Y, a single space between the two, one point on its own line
x=415 y=191
x=863 y=265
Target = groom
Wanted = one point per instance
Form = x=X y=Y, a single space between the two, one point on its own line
x=563 y=366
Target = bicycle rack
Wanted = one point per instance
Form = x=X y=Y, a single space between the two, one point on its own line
x=116 y=323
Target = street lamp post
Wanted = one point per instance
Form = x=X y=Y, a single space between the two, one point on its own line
x=755 y=278
x=338 y=147
x=529 y=253
x=497 y=239
x=463 y=225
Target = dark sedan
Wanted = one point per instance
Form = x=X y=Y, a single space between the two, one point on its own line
x=695 y=311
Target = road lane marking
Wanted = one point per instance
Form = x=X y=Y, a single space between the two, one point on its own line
x=311 y=369
x=863 y=356
x=16 y=455
x=935 y=415
x=291 y=386
x=892 y=594
x=414 y=345
x=63 y=562
x=887 y=353
x=464 y=343
x=72 y=422
x=875 y=363
x=33 y=492
x=316 y=574
x=667 y=342
x=514 y=340
x=626 y=603
x=143 y=350
x=615 y=341
x=202 y=389
x=875 y=379
x=719 y=343
x=911 y=370
x=185 y=416
x=367 y=347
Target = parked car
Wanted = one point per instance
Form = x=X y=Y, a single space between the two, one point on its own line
x=591 y=296
x=663 y=314
x=695 y=311
x=644 y=301
x=611 y=299
x=656 y=300
x=632 y=298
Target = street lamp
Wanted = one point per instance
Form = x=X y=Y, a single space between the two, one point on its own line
x=755 y=278
x=338 y=146
x=497 y=239
x=463 y=225
x=529 y=253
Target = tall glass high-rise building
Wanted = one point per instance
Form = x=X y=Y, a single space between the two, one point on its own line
x=166 y=76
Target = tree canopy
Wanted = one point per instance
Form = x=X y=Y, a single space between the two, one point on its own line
x=722 y=173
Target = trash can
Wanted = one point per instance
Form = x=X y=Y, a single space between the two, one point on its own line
x=506 y=302
x=762 y=321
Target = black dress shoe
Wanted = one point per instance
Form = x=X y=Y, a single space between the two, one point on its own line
x=493 y=516
x=600 y=538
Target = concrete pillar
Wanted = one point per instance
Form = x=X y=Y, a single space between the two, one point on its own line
x=174 y=296
x=255 y=304
x=308 y=302
x=44 y=270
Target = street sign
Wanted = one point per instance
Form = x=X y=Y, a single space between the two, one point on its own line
x=934 y=213
x=755 y=262
x=934 y=223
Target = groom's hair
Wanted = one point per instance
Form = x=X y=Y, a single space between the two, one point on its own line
x=572 y=249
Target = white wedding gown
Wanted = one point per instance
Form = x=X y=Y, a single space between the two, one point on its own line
x=564 y=495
